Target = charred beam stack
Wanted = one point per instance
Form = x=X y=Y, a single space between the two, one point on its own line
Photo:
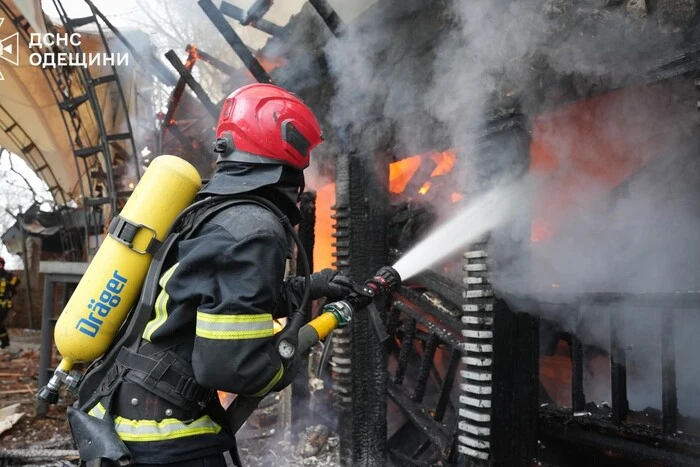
x=362 y=197
x=477 y=377
x=501 y=349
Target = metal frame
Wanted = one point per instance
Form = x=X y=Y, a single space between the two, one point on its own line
x=34 y=157
x=61 y=82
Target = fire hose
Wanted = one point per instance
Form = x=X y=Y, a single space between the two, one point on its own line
x=333 y=315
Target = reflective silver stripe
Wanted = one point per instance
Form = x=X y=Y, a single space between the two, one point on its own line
x=160 y=309
x=234 y=326
x=272 y=382
x=149 y=430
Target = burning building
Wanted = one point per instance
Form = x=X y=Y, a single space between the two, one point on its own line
x=521 y=348
x=562 y=333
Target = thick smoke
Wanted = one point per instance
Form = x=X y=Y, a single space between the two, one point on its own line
x=435 y=70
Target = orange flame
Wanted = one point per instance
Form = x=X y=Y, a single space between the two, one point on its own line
x=401 y=172
x=269 y=64
x=585 y=149
x=445 y=162
x=323 y=241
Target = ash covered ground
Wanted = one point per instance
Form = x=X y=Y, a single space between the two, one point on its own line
x=46 y=441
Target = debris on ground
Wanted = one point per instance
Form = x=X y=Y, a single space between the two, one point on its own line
x=266 y=437
x=9 y=416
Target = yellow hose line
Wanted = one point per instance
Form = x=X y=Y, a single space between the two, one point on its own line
x=324 y=324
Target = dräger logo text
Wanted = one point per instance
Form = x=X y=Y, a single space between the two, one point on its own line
x=108 y=299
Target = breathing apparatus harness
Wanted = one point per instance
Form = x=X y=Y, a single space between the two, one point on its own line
x=166 y=376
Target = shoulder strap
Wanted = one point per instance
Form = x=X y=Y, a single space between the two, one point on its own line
x=138 y=318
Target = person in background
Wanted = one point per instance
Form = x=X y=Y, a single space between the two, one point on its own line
x=8 y=285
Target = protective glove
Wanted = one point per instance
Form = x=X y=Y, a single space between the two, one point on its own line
x=329 y=283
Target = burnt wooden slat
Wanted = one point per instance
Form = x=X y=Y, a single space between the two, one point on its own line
x=409 y=332
x=446 y=387
x=618 y=369
x=425 y=366
x=578 y=399
x=669 y=396
x=236 y=43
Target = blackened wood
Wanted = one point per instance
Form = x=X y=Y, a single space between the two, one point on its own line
x=409 y=332
x=618 y=369
x=176 y=95
x=565 y=429
x=192 y=83
x=425 y=365
x=446 y=387
x=236 y=43
x=578 y=399
x=432 y=429
x=515 y=384
x=262 y=24
x=307 y=206
x=669 y=396
x=329 y=16
x=362 y=187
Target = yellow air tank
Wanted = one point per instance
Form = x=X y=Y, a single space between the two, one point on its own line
x=112 y=283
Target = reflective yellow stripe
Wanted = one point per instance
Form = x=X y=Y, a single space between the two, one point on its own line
x=161 y=311
x=274 y=380
x=234 y=326
x=13 y=281
x=149 y=430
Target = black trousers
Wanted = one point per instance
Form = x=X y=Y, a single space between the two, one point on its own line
x=4 y=337
x=216 y=460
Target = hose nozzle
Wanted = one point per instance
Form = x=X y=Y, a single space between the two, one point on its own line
x=387 y=279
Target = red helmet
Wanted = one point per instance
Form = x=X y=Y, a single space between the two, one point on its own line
x=262 y=123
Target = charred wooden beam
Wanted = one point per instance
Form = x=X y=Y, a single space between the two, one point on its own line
x=159 y=69
x=192 y=83
x=685 y=62
x=256 y=11
x=181 y=137
x=426 y=365
x=447 y=384
x=236 y=43
x=449 y=338
x=435 y=431
x=633 y=443
x=554 y=302
x=362 y=179
x=213 y=61
x=578 y=399
x=409 y=332
x=329 y=16
x=618 y=369
x=239 y=14
x=307 y=206
x=516 y=384
x=669 y=395
x=176 y=95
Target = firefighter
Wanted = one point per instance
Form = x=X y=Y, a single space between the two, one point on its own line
x=8 y=285
x=221 y=289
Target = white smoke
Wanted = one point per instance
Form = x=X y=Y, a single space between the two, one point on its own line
x=435 y=70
